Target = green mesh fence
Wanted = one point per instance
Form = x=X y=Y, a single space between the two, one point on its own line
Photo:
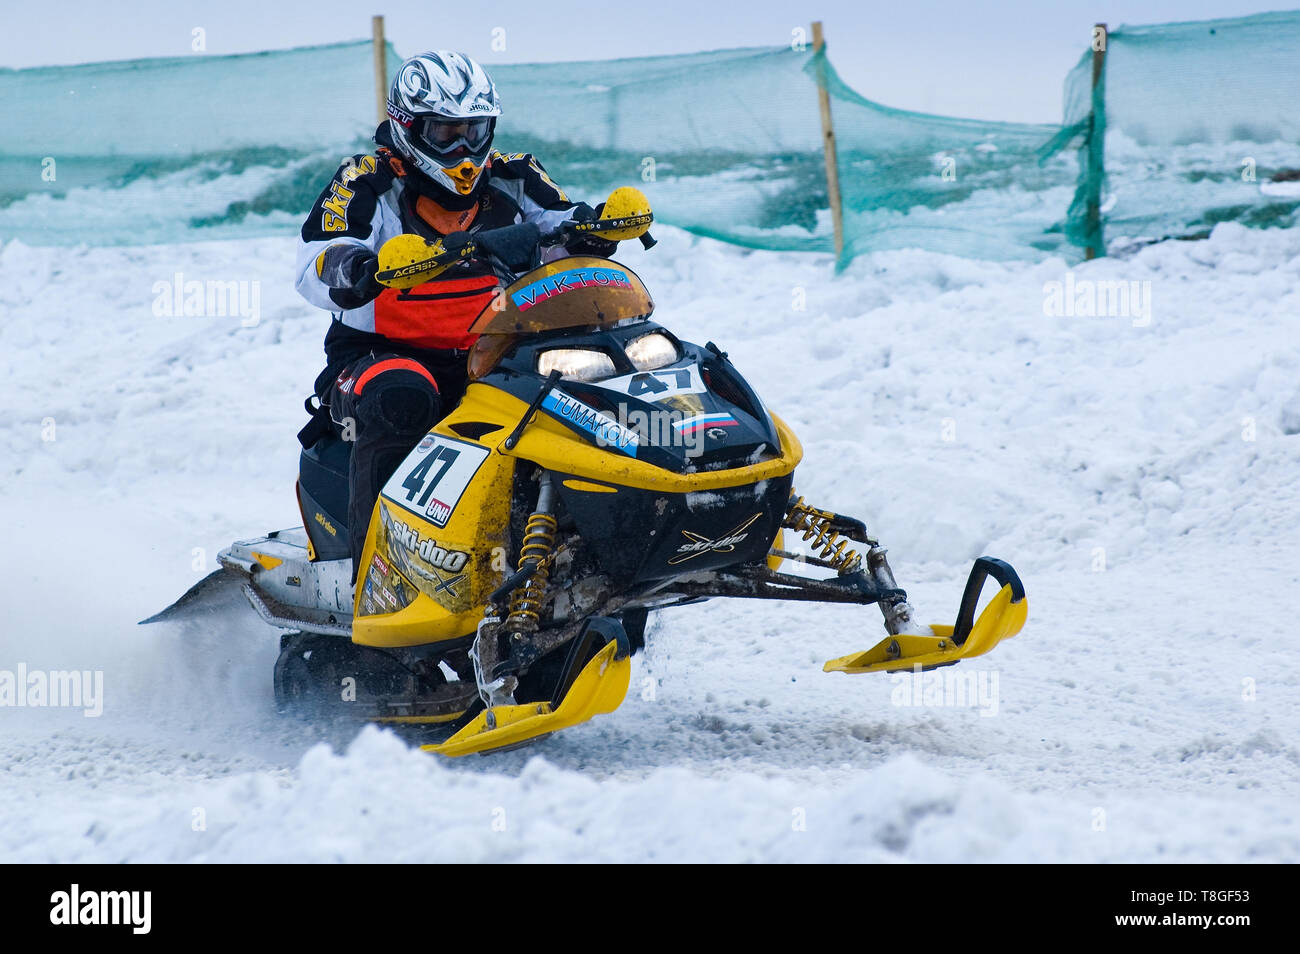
x=727 y=144
x=1192 y=124
x=964 y=186
x=180 y=147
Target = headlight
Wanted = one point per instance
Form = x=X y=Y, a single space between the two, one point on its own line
x=651 y=351
x=576 y=364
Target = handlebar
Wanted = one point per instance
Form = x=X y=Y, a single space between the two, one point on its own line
x=514 y=245
x=508 y=250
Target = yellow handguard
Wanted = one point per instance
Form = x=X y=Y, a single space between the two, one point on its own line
x=626 y=215
x=408 y=260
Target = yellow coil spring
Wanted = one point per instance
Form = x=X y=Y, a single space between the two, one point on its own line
x=538 y=545
x=816 y=527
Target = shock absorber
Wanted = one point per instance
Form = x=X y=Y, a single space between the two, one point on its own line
x=815 y=525
x=537 y=547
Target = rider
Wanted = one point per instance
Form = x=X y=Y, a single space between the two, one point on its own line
x=395 y=360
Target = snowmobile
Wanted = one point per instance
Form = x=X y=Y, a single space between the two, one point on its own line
x=598 y=468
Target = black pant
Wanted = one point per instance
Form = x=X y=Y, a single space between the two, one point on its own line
x=385 y=403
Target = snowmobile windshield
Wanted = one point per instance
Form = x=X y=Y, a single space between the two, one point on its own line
x=574 y=292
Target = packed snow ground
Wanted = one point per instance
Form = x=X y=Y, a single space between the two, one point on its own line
x=1143 y=477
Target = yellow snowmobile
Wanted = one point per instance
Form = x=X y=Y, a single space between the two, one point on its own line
x=598 y=468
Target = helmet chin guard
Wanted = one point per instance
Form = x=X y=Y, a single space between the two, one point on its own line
x=464 y=176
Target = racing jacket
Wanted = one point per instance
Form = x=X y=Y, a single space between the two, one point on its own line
x=367 y=202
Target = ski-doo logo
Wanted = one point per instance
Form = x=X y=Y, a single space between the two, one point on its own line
x=699 y=544
x=561 y=282
x=132 y=908
x=430 y=559
x=607 y=431
x=453 y=561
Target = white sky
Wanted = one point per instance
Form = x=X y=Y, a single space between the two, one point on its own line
x=1000 y=59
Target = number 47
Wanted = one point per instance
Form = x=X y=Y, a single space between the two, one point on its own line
x=649 y=381
x=415 y=481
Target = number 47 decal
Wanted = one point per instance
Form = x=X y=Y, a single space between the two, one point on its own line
x=434 y=476
x=650 y=381
x=658 y=384
x=415 y=481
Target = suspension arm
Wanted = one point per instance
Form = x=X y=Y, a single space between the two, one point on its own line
x=764 y=584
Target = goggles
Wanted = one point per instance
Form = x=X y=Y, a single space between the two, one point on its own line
x=452 y=138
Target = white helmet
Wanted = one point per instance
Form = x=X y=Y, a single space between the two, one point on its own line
x=443 y=108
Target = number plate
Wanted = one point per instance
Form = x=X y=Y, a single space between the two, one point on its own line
x=656 y=385
x=432 y=479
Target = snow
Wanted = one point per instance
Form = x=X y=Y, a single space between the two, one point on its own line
x=1142 y=477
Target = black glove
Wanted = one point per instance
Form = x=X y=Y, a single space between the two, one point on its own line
x=455 y=241
x=363 y=269
x=515 y=245
x=349 y=271
x=588 y=243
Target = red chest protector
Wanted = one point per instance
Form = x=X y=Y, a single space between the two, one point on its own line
x=437 y=314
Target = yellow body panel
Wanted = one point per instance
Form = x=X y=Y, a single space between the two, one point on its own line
x=773 y=561
x=586 y=486
x=552 y=445
x=478 y=522
x=265 y=561
x=449 y=602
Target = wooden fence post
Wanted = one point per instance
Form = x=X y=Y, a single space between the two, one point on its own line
x=1096 y=144
x=828 y=146
x=381 y=67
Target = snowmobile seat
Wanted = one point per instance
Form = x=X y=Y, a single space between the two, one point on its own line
x=323 y=495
